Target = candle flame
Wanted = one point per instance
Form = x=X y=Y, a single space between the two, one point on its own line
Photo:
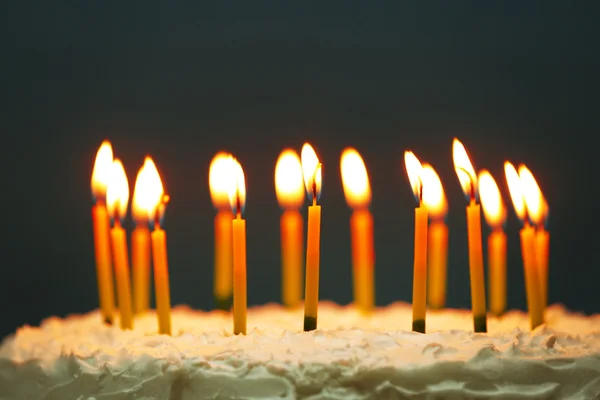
x=311 y=170
x=515 y=188
x=433 y=193
x=101 y=171
x=491 y=200
x=355 y=179
x=414 y=170
x=464 y=170
x=537 y=208
x=148 y=193
x=289 y=185
x=220 y=178
x=117 y=191
x=237 y=190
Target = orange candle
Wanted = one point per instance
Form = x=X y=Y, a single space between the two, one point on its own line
x=117 y=198
x=532 y=282
x=468 y=180
x=101 y=222
x=414 y=170
x=237 y=196
x=437 y=243
x=357 y=191
x=220 y=182
x=140 y=242
x=154 y=201
x=495 y=215
x=289 y=188
x=537 y=209
x=311 y=169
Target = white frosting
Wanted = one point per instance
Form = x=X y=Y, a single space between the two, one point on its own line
x=349 y=357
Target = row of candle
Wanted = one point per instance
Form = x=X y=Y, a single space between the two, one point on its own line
x=293 y=176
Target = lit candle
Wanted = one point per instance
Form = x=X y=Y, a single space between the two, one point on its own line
x=117 y=199
x=220 y=181
x=434 y=200
x=537 y=209
x=527 y=233
x=495 y=215
x=140 y=242
x=237 y=198
x=289 y=188
x=155 y=201
x=414 y=171
x=468 y=180
x=357 y=191
x=100 y=177
x=311 y=169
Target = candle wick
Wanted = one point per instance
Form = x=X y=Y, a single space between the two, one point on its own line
x=238 y=204
x=117 y=216
x=420 y=192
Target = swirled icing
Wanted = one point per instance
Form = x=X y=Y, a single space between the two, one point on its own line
x=349 y=357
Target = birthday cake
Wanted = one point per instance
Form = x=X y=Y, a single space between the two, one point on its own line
x=350 y=356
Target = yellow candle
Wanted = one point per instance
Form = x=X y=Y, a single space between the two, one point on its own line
x=220 y=182
x=289 y=188
x=468 y=180
x=154 y=201
x=414 y=170
x=140 y=259
x=237 y=196
x=497 y=271
x=542 y=246
x=291 y=257
x=518 y=192
x=117 y=198
x=434 y=200
x=140 y=239
x=495 y=215
x=311 y=168
x=100 y=177
x=223 y=283
x=357 y=191
x=161 y=279
x=537 y=209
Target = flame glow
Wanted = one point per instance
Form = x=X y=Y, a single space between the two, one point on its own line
x=289 y=183
x=237 y=190
x=221 y=178
x=311 y=170
x=101 y=171
x=148 y=193
x=117 y=191
x=414 y=170
x=433 y=193
x=491 y=200
x=537 y=208
x=513 y=180
x=355 y=179
x=464 y=169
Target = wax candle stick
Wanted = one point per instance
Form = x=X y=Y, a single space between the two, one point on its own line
x=237 y=196
x=357 y=191
x=311 y=169
x=155 y=201
x=537 y=210
x=220 y=181
x=289 y=188
x=414 y=171
x=101 y=222
x=495 y=215
x=140 y=242
x=468 y=180
x=434 y=200
x=117 y=198
x=527 y=235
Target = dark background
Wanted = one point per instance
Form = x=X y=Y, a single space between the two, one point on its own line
x=512 y=80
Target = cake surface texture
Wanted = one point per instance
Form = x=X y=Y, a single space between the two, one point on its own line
x=349 y=357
